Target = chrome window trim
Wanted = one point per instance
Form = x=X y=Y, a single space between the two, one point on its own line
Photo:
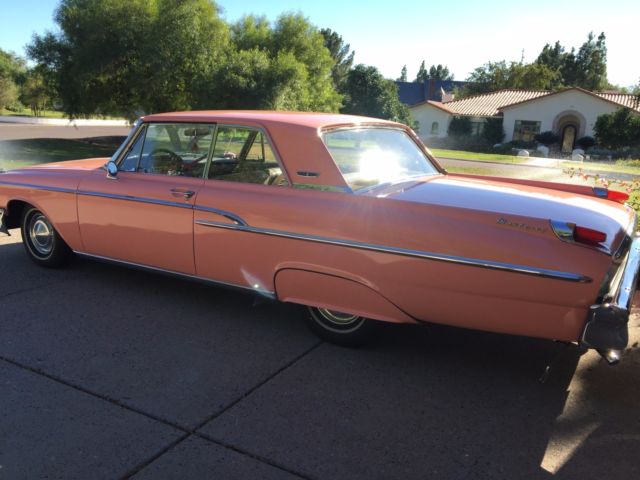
x=138 y=129
x=474 y=262
x=246 y=127
x=261 y=291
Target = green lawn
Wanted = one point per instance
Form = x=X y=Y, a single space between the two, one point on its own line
x=478 y=157
x=19 y=153
x=621 y=166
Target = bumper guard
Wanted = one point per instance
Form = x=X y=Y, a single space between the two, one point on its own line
x=3 y=225
x=606 y=328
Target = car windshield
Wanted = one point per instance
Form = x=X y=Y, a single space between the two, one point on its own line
x=368 y=157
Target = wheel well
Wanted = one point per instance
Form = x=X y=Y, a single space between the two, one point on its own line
x=14 y=212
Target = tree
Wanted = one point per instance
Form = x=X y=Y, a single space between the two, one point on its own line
x=368 y=93
x=440 y=73
x=403 y=74
x=423 y=74
x=591 y=63
x=284 y=66
x=339 y=51
x=12 y=71
x=130 y=56
x=494 y=76
x=547 y=138
x=618 y=129
x=36 y=94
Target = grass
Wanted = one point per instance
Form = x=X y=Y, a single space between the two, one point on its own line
x=477 y=157
x=620 y=166
x=20 y=153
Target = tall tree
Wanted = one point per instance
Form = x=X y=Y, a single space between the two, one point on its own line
x=494 y=76
x=130 y=56
x=591 y=63
x=282 y=66
x=341 y=54
x=440 y=72
x=12 y=74
x=368 y=93
x=423 y=74
x=403 y=74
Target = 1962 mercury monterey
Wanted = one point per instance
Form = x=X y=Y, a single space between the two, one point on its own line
x=350 y=216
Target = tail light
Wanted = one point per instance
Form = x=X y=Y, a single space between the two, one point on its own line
x=570 y=232
x=613 y=195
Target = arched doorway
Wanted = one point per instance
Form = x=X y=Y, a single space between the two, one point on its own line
x=568 y=138
x=569 y=126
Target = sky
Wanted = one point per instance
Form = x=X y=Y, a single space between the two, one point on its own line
x=461 y=35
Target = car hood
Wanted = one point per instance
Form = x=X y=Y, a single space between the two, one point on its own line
x=506 y=199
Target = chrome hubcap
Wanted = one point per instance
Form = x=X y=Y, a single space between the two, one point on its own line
x=338 y=318
x=41 y=234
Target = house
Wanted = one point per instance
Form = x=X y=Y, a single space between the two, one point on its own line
x=570 y=113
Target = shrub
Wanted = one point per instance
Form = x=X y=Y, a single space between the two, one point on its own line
x=586 y=142
x=547 y=138
x=618 y=129
x=459 y=126
x=493 y=131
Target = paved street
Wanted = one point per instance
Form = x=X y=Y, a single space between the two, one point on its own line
x=15 y=131
x=107 y=372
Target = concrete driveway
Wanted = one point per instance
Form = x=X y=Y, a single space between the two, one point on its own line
x=112 y=373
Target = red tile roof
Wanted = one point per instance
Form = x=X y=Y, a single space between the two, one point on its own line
x=491 y=104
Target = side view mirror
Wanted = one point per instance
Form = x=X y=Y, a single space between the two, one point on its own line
x=112 y=170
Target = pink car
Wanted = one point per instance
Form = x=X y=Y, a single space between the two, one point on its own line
x=349 y=216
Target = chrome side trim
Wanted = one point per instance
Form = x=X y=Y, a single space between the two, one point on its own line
x=473 y=262
x=133 y=198
x=224 y=213
x=263 y=292
x=39 y=187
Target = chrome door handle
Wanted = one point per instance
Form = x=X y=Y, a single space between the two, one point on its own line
x=186 y=194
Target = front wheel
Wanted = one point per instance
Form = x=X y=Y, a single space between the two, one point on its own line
x=341 y=328
x=41 y=241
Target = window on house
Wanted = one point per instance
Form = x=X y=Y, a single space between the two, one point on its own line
x=434 y=128
x=525 y=130
x=477 y=127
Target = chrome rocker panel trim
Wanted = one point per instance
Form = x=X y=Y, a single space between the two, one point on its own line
x=473 y=262
x=138 y=266
x=606 y=328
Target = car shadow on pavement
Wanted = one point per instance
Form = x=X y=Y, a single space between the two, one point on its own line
x=419 y=402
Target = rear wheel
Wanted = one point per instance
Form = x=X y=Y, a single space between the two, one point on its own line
x=341 y=328
x=41 y=241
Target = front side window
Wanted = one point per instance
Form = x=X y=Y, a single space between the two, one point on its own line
x=176 y=149
x=525 y=130
x=434 y=128
x=368 y=157
x=242 y=154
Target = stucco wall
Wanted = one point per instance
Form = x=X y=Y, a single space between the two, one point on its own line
x=547 y=109
x=425 y=115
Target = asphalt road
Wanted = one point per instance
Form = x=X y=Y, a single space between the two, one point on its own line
x=107 y=372
x=15 y=131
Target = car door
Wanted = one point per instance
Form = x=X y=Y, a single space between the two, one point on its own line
x=144 y=215
x=244 y=179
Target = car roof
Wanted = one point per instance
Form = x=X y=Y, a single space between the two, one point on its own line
x=266 y=118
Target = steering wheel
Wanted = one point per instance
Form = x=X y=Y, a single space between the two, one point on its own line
x=175 y=162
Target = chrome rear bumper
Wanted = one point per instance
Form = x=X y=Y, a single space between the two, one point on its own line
x=606 y=328
x=3 y=225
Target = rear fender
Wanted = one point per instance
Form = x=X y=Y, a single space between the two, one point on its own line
x=336 y=293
